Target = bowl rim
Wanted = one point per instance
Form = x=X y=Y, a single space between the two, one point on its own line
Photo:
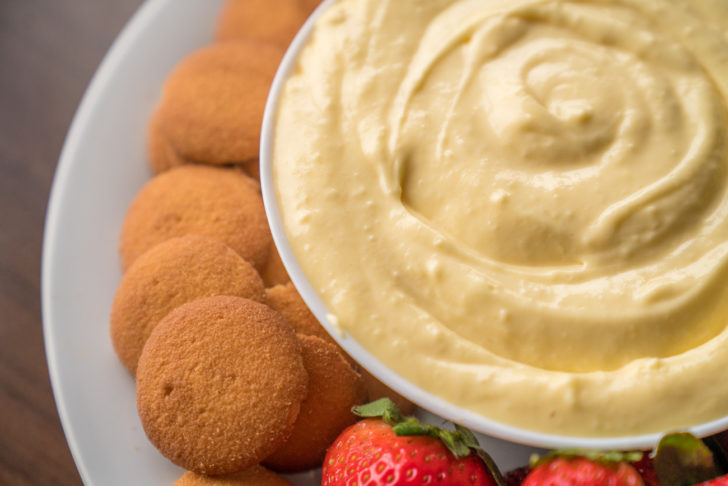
x=414 y=393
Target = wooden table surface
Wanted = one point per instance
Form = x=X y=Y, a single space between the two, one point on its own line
x=49 y=50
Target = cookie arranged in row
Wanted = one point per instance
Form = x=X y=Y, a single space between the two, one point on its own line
x=232 y=368
x=190 y=308
x=222 y=203
x=212 y=107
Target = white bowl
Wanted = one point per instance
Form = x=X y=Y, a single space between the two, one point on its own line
x=428 y=401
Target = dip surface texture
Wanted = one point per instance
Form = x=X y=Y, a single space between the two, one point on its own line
x=521 y=206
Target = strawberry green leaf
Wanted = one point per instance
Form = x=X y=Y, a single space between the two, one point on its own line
x=683 y=460
x=604 y=457
x=453 y=441
x=383 y=408
x=412 y=426
x=468 y=437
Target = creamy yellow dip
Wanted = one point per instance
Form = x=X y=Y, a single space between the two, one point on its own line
x=521 y=205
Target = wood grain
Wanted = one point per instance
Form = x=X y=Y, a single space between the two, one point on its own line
x=49 y=50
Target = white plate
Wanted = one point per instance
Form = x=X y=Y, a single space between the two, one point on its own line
x=102 y=166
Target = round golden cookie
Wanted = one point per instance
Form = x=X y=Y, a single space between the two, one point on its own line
x=176 y=271
x=160 y=152
x=190 y=199
x=274 y=272
x=211 y=107
x=333 y=388
x=269 y=20
x=163 y=156
x=286 y=300
x=254 y=476
x=219 y=384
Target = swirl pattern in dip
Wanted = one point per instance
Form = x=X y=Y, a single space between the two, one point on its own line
x=521 y=205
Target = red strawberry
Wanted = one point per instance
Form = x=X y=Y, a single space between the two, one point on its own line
x=719 y=481
x=401 y=451
x=580 y=471
x=370 y=453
